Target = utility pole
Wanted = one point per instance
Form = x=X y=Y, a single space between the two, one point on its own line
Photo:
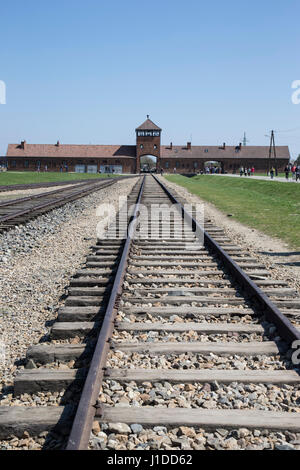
x=272 y=148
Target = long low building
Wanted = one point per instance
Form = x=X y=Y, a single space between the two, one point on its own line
x=186 y=159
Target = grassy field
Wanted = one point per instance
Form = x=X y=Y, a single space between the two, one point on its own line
x=273 y=208
x=14 y=177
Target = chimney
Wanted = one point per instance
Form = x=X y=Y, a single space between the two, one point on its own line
x=189 y=145
x=23 y=144
x=240 y=145
x=57 y=144
x=224 y=145
x=171 y=145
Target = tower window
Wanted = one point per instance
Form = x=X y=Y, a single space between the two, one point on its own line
x=155 y=146
x=141 y=146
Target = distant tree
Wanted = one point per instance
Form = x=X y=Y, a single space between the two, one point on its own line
x=297 y=162
x=147 y=160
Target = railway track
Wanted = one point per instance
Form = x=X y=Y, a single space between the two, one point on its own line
x=155 y=335
x=19 y=187
x=17 y=211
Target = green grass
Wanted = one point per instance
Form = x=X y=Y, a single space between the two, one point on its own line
x=27 y=177
x=271 y=207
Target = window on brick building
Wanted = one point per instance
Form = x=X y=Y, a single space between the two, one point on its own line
x=13 y=163
x=26 y=164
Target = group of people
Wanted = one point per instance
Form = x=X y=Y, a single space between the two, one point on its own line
x=212 y=170
x=247 y=171
x=295 y=170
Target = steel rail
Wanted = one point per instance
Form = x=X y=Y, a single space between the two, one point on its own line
x=86 y=411
x=285 y=328
x=56 y=202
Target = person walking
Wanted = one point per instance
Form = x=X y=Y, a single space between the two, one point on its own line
x=249 y=171
x=298 y=172
x=287 y=172
x=272 y=173
x=293 y=171
x=241 y=171
x=252 y=170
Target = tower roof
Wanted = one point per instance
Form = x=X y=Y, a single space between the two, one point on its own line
x=148 y=125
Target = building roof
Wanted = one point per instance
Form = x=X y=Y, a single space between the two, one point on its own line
x=214 y=153
x=71 y=151
x=209 y=153
x=148 y=125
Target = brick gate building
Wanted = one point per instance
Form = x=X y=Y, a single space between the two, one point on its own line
x=184 y=159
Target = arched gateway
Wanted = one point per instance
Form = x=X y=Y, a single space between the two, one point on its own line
x=183 y=159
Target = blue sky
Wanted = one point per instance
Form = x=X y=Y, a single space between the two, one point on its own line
x=89 y=71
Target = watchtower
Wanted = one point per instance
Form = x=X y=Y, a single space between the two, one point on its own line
x=147 y=141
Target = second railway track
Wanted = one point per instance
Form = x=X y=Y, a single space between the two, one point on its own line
x=159 y=344
x=18 y=211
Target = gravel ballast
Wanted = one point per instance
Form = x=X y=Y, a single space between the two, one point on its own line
x=120 y=436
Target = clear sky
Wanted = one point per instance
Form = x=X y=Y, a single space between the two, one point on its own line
x=89 y=71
